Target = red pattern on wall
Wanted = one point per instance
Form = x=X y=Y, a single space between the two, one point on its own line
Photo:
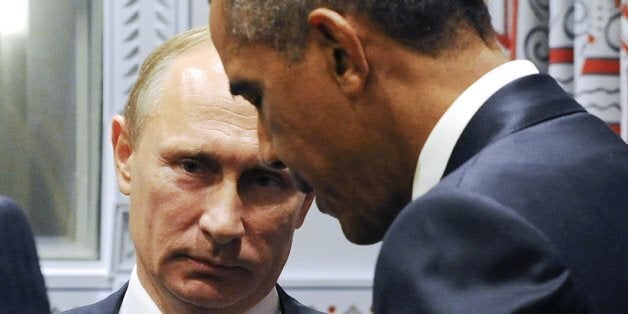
x=561 y=55
x=601 y=66
x=581 y=43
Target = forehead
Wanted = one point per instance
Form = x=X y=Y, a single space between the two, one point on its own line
x=249 y=67
x=197 y=71
x=196 y=104
x=230 y=47
x=217 y=15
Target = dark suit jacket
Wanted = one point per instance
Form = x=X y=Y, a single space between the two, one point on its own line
x=531 y=216
x=22 y=288
x=111 y=305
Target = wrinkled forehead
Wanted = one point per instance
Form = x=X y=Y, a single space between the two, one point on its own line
x=232 y=116
x=214 y=125
x=196 y=89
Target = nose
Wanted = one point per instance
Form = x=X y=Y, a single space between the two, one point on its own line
x=221 y=221
x=267 y=153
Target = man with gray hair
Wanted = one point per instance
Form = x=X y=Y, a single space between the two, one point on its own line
x=212 y=228
x=492 y=189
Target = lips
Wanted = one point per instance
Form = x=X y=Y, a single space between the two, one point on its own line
x=211 y=266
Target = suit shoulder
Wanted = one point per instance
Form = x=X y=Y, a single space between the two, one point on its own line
x=109 y=305
x=289 y=305
x=452 y=251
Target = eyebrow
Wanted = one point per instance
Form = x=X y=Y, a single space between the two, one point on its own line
x=241 y=87
x=213 y=159
x=181 y=152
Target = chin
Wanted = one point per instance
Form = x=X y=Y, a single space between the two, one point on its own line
x=361 y=232
x=205 y=302
x=357 y=228
x=206 y=297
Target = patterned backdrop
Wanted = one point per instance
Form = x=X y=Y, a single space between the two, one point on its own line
x=581 y=43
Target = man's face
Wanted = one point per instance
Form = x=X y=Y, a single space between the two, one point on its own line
x=306 y=121
x=212 y=228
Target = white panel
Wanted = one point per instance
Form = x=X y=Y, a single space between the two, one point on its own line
x=199 y=13
x=321 y=255
x=62 y=300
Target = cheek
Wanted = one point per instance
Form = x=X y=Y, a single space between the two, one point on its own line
x=272 y=223
x=270 y=232
x=302 y=125
x=160 y=214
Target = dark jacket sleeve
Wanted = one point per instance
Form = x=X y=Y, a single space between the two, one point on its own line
x=110 y=305
x=21 y=282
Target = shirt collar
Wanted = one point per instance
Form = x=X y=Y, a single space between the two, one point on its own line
x=443 y=137
x=268 y=305
x=137 y=300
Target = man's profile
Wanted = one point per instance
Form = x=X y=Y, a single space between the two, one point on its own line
x=492 y=190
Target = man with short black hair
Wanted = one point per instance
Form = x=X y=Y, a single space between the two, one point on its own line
x=492 y=189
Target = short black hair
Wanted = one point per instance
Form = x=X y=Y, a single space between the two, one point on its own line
x=426 y=26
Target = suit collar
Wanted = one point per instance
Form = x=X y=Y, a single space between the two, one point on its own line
x=520 y=104
x=438 y=147
x=289 y=305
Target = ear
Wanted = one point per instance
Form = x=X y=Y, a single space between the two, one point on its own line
x=307 y=203
x=347 y=53
x=122 y=151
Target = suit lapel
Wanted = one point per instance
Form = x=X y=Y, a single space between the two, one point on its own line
x=289 y=305
x=518 y=105
x=114 y=301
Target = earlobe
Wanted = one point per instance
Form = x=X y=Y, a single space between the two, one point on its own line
x=346 y=50
x=122 y=151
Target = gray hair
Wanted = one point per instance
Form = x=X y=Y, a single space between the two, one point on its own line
x=147 y=88
x=426 y=26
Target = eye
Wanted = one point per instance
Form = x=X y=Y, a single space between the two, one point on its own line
x=261 y=187
x=263 y=179
x=266 y=181
x=191 y=166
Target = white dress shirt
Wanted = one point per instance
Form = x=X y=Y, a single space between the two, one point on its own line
x=136 y=300
x=441 y=141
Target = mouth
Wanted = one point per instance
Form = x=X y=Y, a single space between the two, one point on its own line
x=206 y=265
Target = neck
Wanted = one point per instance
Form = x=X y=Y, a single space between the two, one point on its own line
x=168 y=302
x=418 y=88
